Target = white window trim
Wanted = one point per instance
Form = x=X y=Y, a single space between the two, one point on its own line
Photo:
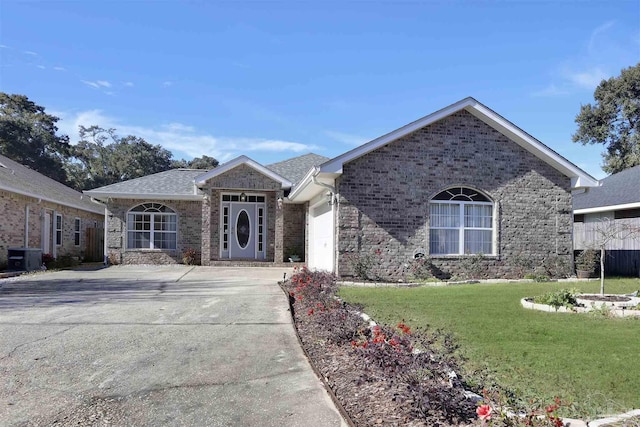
x=77 y=231
x=61 y=229
x=151 y=231
x=462 y=227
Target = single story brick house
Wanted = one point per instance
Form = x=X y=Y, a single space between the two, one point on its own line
x=458 y=182
x=39 y=212
x=615 y=203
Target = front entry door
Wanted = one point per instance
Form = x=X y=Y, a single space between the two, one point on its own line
x=242 y=238
x=243 y=226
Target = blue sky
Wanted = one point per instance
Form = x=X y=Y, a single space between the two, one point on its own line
x=275 y=79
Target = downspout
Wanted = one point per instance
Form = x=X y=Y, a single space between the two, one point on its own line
x=335 y=201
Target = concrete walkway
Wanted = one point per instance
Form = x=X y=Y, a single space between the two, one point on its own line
x=154 y=346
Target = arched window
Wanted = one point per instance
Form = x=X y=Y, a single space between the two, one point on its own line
x=152 y=226
x=460 y=222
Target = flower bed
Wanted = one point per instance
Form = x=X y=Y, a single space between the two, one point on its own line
x=381 y=375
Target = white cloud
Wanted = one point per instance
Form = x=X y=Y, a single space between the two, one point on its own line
x=346 y=138
x=550 y=91
x=595 y=34
x=98 y=84
x=275 y=145
x=587 y=79
x=167 y=83
x=4 y=46
x=179 y=138
x=59 y=68
x=29 y=52
x=128 y=84
x=42 y=67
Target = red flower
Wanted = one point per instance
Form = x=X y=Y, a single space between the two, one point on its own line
x=484 y=412
x=310 y=312
x=552 y=408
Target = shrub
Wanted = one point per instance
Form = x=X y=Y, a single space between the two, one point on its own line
x=47 y=260
x=561 y=298
x=189 y=256
x=471 y=266
x=421 y=269
x=361 y=264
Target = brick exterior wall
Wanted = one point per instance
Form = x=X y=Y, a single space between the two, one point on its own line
x=13 y=210
x=189 y=232
x=295 y=217
x=385 y=194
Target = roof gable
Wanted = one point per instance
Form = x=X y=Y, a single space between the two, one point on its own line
x=242 y=160
x=17 y=178
x=579 y=178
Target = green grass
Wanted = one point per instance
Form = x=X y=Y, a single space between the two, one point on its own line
x=591 y=361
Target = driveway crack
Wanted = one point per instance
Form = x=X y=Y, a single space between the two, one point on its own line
x=36 y=340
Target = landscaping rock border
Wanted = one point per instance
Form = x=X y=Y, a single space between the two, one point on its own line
x=613 y=310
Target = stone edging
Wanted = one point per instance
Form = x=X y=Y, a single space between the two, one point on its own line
x=618 y=312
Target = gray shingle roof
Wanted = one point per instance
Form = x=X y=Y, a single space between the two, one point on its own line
x=175 y=182
x=21 y=179
x=180 y=182
x=617 y=189
x=296 y=168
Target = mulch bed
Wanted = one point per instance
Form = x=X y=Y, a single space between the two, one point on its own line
x=368 y=394
x=606 y=298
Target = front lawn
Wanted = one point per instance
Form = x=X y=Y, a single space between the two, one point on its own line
x=589 y=360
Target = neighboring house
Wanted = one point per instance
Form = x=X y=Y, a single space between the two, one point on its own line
x=39 y=212
x=458 y=182
x=615 y=203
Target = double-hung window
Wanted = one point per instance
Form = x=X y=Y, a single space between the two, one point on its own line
x=58 y=230
x=152 y=226
x=460 y=223
x=76 y=232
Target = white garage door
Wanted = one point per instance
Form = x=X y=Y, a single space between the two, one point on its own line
x=321 y=237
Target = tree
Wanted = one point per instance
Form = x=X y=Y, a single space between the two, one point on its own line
x=205 y=162
x=101 y=158
x=608 y=231
x=614 y=120
x=28 y=136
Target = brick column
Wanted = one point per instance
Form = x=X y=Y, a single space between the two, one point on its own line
x=205 y=235
x=279 y=237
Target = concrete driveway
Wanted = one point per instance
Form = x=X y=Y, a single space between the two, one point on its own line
x=152 y=346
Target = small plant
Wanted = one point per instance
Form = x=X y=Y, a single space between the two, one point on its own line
x=472 y=267
x=586 y=261
x=362 y=264
x=113 y=258
x=189 y=256
x=522 y=264
x=494 y=411
x=421 y=269
x=47 y=260
x=293 y=254
x=557 y=299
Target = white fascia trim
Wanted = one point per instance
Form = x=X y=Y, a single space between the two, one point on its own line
x=607 y=208
x=147 y=196
x=98 y=210
x=304 y=182
x=202 y=179
x=335 y=165
x=579 y=178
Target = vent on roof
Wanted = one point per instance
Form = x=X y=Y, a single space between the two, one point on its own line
x=2 y=165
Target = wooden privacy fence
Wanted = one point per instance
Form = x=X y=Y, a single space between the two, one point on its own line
x=94 y=241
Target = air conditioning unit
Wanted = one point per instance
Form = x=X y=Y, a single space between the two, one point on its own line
x=24 y=259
